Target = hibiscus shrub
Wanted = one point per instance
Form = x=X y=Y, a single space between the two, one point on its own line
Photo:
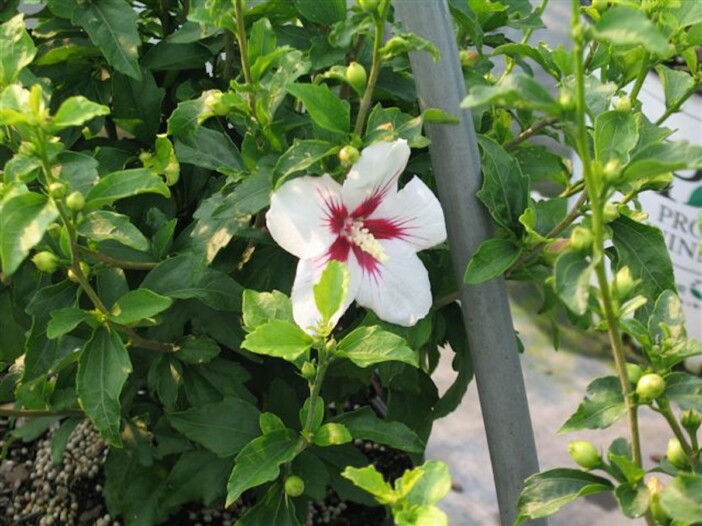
x=146 y=282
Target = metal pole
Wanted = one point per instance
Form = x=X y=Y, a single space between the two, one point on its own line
x=486 y=314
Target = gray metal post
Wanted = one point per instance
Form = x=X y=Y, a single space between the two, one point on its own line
x=486 y=314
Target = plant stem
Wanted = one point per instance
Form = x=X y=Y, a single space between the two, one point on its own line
x=9 y=411
x=244 y=51
x=376 y=65
x=664 y=409
x=323 y=364
x=119 y=263
x=530 y=132
x=594 y=187
x=641 y=76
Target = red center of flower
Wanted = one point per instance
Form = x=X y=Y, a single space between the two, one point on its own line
x=360 y=234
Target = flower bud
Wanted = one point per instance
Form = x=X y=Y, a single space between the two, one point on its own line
x=655 y=488
x=610 y=212
x=553 y=250
x=46 y=261
x=691 y=420
x=585 y=454
x=75 y=201
x=634 y=372
x=611 y=171
x=675 y=454
x=57 y=190
x=370 y=6
x=468 y=57
x=348 y=155
x=356 y=76
x=566 y=100
x=581 y=238
x=650 y=386
x=294 y=486
x=308 y=371
x=624 y=283
x=623 y=105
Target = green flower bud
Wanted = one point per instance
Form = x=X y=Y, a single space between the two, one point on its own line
x=585 y=454
x=348 y=155
x=611 y=171
x=468 y=57
x=370 y=6
x=294 y=486
x=675 y=454
x=624 y=283
x=634 y=372
x=623 y=105
x=610 y=212
x=553 y=250
x=308 y=371
x=655 y=488
x=566 y=100
x=75 y=201
x=650 y=386
x=691 y=420
x=356 y=76
x=46 y=262
x=57 y=190
x=581 y=238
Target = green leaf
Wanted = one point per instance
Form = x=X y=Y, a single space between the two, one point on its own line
x=122 y=184
x=631 y=471
x=616 y=134
x=572 y=275
x=103 y=369
x=493 y=257
x=137 y=105
x=165 y=377
x=326 y=109
x=103 y=225
x=78 y=171
x=368 y=346
x=260 y=307
x=331 y=434
x=171 y=56
x=676 y=85
x=259 y=461
x=300 y=156
x=545 y=493
x=372 y=481
x=538 y=163
x=317 y=416
x=633 y=499
x=278 y=338
x=223 y=427
x=137 y=305
x=275 y=508
x=681 y=498
x=64 y=321
x=661 y=158
x=667 y=312
x=433 y=485
x=642 y=248
x=514 y=91
x=76 y=111
x=197 y=349
x=23 y=220
x=505 y=190
x=269 y=422
x=59 y=441
x=325 y=13
x=190 y=114
x=113 y=27
x=331 y=290
x=262 y=41
x=404 y=43
x=209 y=149
x=196 y=476
x=17 y=49
x=364 y=424
x=602 y=406
x=624 y=26
x=684 y=389
x=183 y=277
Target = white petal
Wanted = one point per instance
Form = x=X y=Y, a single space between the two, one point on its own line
x=305 y=312
x=399 y=292
x=417 y=213
x=376 y=172
x=298 y=218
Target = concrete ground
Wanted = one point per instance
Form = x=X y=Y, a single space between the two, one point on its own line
x=555 y=382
